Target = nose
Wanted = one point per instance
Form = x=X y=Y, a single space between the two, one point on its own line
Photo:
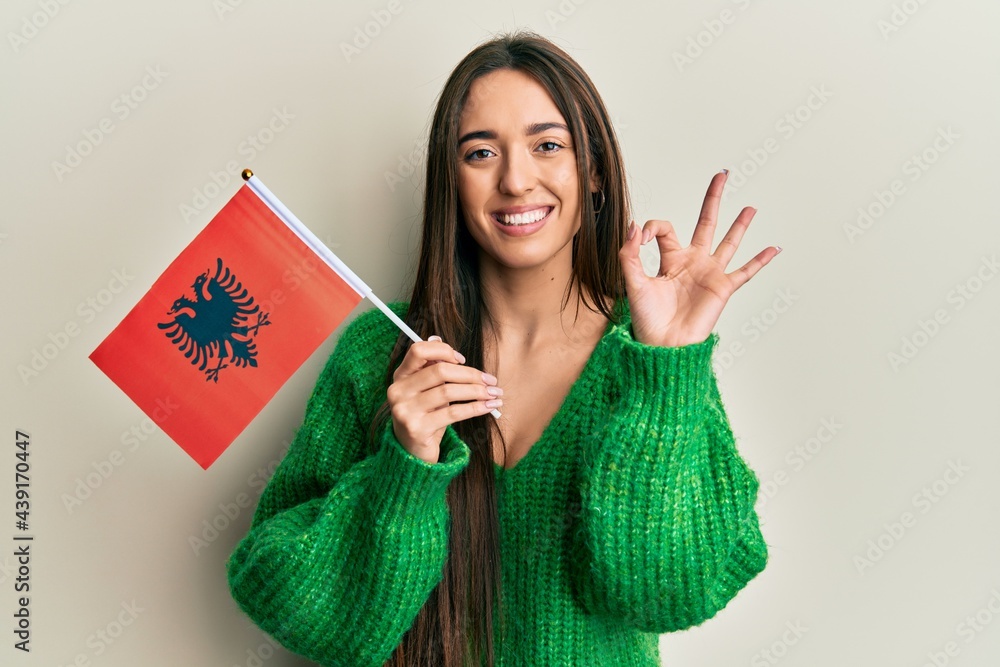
x=517 y=173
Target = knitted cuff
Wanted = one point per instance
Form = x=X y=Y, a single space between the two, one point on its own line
x=655 y=379
x=407 y=481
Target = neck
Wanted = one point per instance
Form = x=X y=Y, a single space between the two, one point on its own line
x=527 y=304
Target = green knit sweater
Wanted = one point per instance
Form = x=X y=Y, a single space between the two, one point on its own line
x=632 y=515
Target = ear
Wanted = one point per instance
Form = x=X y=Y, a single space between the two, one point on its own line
x=595 y=180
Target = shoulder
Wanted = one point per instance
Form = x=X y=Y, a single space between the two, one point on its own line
x=371 y=328
x=362 y=352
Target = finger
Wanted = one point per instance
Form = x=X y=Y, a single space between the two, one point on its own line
x=442 y=396
x=663 y=232
x=429 y=404
x=705 y=229
x=750 y=269
x=412 y=401
x=666 y=240
x=731 y=241
x=413 y=425
x=421 y=353
x=442 y=373
x=456 y=412
x=628 y=257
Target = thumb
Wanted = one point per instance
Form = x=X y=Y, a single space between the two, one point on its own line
x=629 y=256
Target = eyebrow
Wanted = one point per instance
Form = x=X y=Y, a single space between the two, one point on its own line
x=530 y=130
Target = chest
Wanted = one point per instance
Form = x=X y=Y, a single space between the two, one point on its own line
x=535 y=388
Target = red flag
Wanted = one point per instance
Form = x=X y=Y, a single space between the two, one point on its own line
x=225 y=326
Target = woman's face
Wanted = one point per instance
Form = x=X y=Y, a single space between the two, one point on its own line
x=517 y=175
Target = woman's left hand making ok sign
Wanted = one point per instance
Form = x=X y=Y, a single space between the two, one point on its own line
x=682 y=303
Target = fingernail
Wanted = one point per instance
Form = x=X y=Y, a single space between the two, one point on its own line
x=458 y=355
x=495 y=403
x=725 y=171
x=631 y=231
x=645 y=236
x=489 y=379
x=778 y=248
x=437 y=338
x=494 y=391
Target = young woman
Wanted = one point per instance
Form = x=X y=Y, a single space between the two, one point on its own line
x=608 y=504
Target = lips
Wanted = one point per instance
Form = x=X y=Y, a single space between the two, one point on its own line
x=521 y=215
x=531 y=219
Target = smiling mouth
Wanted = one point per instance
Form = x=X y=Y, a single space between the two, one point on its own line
x=523 y=218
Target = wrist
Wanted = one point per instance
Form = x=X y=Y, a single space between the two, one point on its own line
x=428 y=454
x=672 y=340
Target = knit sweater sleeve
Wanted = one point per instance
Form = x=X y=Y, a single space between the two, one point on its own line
x=344 y=549
x=669 y=532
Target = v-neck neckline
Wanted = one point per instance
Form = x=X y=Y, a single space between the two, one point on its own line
x=501 y=471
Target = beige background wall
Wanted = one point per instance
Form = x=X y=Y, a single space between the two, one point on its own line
x=880 y=555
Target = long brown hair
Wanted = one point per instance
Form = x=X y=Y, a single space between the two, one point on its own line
x=455 y=626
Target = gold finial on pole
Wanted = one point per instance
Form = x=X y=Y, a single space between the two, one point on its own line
x=247 y=174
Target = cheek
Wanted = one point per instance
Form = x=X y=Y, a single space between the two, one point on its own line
x=463 y=186
x=567 y=181
x=472 y=191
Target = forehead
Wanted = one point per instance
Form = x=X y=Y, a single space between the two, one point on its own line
x=507 y=97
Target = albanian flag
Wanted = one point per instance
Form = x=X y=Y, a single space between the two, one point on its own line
x=228 y=322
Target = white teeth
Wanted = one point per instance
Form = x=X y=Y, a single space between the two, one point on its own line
x=524 y=218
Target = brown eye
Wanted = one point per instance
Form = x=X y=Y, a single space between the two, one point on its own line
x=471 y=157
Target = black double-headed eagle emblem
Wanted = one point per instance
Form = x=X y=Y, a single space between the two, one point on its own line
x=216 y=325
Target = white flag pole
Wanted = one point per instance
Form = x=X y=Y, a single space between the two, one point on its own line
x=327 y=255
